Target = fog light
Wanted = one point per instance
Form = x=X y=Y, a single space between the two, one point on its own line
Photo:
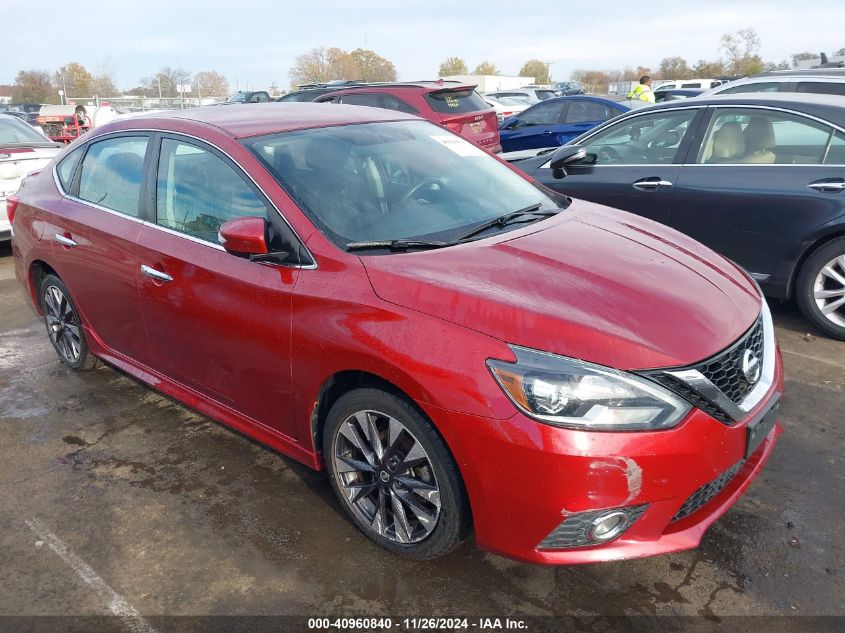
x=607 y=526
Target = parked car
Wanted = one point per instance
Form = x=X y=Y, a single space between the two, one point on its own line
x=448 y=103
x=22 y=150
x=248 y=96
x=566 y=88
x=675 y=95
x=534 y=95
x=371 y=294
x=557 y=121
x=759 y=178
x=829 y=81
x=507 y=106
x=306 y=94
x=689 y=84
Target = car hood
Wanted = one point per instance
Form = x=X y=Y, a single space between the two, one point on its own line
x=591 y=283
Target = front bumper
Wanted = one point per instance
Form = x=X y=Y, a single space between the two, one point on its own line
x=524 y=478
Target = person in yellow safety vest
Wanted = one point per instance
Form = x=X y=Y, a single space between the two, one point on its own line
x=643 y=90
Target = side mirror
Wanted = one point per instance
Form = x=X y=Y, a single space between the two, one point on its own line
x=244 y=236
x=567 y=155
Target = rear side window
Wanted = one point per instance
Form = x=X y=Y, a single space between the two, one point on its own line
x=67 y=166
x=456 y=101
x=761 y=86
x=545 y=94
x=836 y=151
x=111 y=174
x=692 y=85
x=821 y=87
x=197 y=191
x=363 y=99
x=395 y=103
x=583 y=111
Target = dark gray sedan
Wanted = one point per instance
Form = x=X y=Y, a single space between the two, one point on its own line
x=759 y=178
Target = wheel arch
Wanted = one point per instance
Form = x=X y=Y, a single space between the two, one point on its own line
x=833 y=232
x=38 y=270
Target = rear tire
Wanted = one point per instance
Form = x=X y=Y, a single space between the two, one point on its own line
x=394 y=476
x=64 y=327
x=820 y=288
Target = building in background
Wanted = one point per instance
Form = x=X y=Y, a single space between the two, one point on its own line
x=491 y=83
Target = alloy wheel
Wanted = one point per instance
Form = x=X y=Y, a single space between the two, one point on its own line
x=62 y=324
x=829 y=290
x=386 y=477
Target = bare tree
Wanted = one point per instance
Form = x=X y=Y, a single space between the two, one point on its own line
x=164 y=82
x=741 y=49
x=103 y=82
x=210 y=83
x=452 y=66
x=800 y=57
x=321 y=64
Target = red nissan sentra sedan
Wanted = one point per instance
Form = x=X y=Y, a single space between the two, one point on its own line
x=371 y=294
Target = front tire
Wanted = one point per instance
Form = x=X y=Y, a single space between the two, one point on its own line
x=820 y=288
x=64 y=326
x=394 y=475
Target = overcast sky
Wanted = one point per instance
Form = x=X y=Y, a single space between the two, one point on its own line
x=254 y=42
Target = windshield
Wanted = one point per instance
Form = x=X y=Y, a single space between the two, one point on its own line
x=393 y=181
x=13 y=131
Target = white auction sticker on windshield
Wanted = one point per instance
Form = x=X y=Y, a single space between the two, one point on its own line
x=458 y=145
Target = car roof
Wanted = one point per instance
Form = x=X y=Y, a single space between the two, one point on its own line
x=254 y=119
x=801 y=72
x=428 y=85
x=824 y=106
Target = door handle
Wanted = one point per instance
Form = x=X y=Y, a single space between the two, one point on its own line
x=829 y=186
x=651 y=184
x=547 y=133
x=152 y=273
x=64 y=241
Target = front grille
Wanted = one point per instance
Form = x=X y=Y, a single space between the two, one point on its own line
x=708 y=491
x=572 y=532
x=724 y=370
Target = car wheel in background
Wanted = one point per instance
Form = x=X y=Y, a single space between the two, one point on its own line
x=394 y=475
x=64 y=326
x=820 y=289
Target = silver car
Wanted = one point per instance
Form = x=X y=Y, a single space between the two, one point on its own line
x=22 y=150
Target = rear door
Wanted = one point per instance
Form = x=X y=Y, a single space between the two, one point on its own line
x=535 y=127
x=632 y=164
x=757 y=181
x=582 y=115
x=93 y=230
x=217 y=323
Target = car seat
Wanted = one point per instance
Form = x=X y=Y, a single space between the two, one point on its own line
x=759 y=141
x=728 y=143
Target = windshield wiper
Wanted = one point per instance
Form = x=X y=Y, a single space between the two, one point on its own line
x=396 y=245
x=502 y=220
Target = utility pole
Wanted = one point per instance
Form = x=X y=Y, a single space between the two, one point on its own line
x=64 y=90
x=159 y=91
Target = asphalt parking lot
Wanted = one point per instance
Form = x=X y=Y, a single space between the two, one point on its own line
x=175 y=514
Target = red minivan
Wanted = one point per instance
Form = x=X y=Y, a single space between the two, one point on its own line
x=450 y=104
x=373 y=295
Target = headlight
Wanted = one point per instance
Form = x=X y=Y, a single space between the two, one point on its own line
x=572 y=393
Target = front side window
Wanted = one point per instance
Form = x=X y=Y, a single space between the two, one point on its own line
x=393 y=181
x=758 y=136
x=112 y=171
x=547 y=113
x=649 y=139
x=197 y=191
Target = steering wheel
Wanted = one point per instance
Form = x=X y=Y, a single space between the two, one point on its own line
x=608 y=154
x=427 y=182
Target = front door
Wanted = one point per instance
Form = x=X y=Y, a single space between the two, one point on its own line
x=217 y=323
x=534 y=128
x=632 y=165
